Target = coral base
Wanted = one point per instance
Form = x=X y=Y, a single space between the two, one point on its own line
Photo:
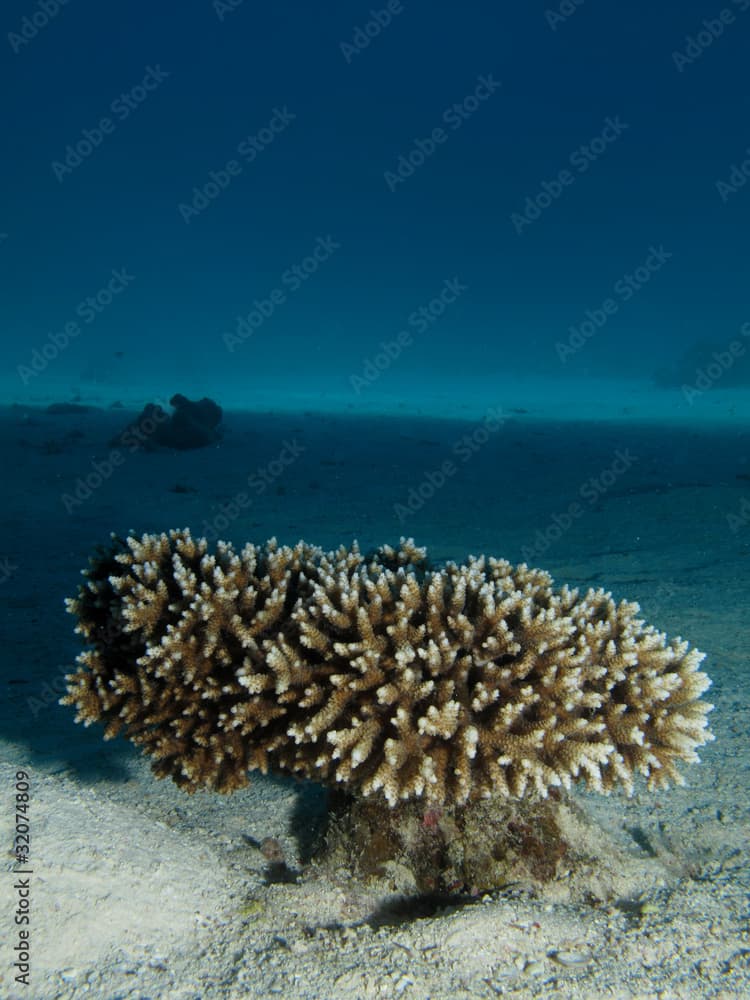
x=482 y=846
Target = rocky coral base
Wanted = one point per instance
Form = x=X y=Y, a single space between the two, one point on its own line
x=472 y=849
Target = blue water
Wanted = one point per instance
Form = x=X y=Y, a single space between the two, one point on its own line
x=576 y=169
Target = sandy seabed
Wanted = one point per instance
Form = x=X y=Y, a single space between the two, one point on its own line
x=140 y=891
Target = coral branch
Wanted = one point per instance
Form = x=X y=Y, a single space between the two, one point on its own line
x=378 y=673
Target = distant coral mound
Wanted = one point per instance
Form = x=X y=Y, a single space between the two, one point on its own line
x=377 y=674
x=194 y=424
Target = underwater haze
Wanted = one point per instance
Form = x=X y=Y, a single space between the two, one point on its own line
x=576 y=170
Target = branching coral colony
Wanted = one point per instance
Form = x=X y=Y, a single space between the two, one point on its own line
x=428 y=696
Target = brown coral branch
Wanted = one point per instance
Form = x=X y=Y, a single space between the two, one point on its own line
x=378 y=673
